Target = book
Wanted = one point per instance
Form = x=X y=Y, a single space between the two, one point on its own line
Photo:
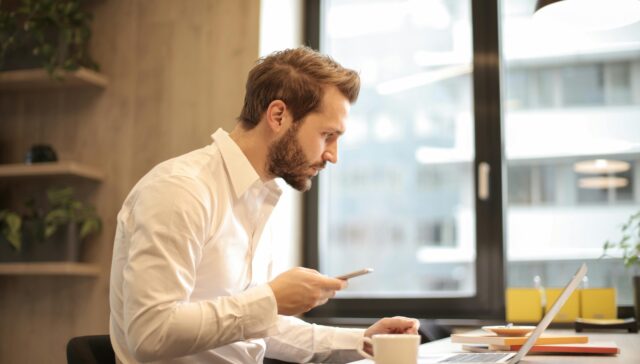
x=601 y=347
x=516 y=340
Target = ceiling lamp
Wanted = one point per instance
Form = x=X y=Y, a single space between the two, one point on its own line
x=587 y=15
x=601 y=166
x=602 y=182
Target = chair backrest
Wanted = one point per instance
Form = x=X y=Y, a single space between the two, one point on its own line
x=94 y=349
x=430 y=330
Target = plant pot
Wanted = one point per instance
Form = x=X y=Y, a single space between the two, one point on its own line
x=62 y=246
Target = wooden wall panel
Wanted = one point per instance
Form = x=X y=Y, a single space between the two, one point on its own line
x=176 y=71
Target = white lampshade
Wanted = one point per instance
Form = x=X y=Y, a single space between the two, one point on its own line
x=601 y=166
x=602 y=182
x=587 y=15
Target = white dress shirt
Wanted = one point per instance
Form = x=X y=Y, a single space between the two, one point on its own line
x=191 y=265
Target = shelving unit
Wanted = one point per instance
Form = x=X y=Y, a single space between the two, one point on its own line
x=50 y=169
x=49 y=268
x=40 y=79
x=61 y=168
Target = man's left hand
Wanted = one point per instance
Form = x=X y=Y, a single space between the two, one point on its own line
x=392 y=325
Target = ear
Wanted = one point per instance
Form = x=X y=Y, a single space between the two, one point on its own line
x=276 y=115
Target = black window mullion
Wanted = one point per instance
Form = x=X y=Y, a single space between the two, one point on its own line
x=489 y=149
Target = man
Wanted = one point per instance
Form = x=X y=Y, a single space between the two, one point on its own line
x=190 y=277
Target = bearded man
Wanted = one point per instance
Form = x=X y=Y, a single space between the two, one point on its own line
x=191 y=270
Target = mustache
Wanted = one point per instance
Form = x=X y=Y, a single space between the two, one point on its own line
x=319 y=165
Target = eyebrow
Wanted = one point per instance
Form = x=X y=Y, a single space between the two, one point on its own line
x=337 y=131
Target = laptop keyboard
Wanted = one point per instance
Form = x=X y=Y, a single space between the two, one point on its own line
x=475 y=357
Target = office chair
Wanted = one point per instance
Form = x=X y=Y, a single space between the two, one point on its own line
x=95 y=349
x=431 y=331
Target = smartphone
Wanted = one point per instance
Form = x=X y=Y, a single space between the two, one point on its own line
x=357 y=273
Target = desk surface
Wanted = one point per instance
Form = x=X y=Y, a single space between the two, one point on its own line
x=629 y=345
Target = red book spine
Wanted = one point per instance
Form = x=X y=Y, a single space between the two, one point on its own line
x=570 y=349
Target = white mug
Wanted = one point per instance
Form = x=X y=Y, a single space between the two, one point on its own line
x=392 y=348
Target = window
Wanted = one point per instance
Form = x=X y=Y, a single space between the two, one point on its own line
x=571 y=99
x=403 y=197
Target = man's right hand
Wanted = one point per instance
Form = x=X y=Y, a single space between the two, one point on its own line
x=300 y=289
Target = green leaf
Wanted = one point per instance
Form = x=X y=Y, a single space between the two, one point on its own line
x=49 y=230
x=630 y=260
x=89 y=227
x=15 y=241
x=76 y=205
x=13 y=221
x=11 y=224
x=60 y=196
x=57 y=217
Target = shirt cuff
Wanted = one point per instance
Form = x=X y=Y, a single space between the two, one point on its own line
x=260 y=309
x=347 y=339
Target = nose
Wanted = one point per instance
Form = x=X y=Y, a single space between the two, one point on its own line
x=331 y=153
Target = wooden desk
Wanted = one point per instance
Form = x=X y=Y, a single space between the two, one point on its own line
x=629 y=345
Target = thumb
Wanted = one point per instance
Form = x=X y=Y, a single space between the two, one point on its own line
x=333 y=283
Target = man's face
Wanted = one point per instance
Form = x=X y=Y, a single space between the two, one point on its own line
x=308 y=144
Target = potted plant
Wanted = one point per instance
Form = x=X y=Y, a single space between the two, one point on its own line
x=53 y=34
x=53 y=232
x=628 y=248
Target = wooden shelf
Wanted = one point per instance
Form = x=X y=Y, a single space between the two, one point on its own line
x=49 y=268
x=62 y=168
x=39 y=79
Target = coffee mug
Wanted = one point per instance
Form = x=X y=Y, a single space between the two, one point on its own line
x=392 y=348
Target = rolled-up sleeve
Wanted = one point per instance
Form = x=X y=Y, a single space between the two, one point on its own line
x=168 y=227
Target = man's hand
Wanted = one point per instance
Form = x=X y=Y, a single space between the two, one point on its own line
x=391 y=325
x=299 y=290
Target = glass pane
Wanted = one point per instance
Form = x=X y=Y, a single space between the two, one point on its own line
x=400 y=200
x=570 y=98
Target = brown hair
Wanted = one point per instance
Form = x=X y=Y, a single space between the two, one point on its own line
x=297 y=77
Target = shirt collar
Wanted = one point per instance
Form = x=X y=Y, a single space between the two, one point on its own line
x=240 y=171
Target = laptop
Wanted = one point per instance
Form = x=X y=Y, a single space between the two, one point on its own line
x=510 y=357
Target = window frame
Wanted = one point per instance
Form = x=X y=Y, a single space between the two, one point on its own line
x=490 y=263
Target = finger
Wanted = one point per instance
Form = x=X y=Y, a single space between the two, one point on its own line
x=403 y=324
x=333 y=283
x=411 y=330
x=414 y=327
x=326 y=294
x=344 y=283
x=308 y=270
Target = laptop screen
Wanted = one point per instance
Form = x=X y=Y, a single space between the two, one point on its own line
x=546 y=320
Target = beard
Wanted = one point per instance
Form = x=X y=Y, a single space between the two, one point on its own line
x=286 y=160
